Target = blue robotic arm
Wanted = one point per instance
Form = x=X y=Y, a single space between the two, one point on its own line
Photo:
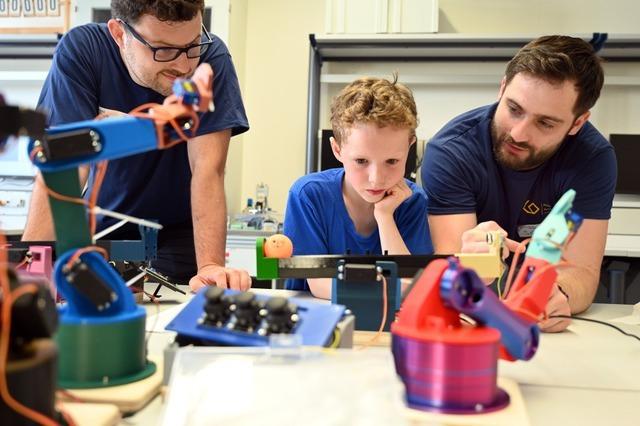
x=101 y=334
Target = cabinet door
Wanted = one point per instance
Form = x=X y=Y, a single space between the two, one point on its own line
x=413 y=16
x=356 y=16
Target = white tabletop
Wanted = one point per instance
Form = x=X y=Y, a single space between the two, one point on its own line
x=587 y=375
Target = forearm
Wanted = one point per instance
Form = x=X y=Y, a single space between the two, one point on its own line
x=390 y=239
x=39 y=226
x=209 y=213
x=580 y=284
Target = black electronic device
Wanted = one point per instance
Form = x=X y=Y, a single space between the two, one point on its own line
x=91 y=285
x=328 y=160
x=627 y=154
x=32 y=354
x=72 y=144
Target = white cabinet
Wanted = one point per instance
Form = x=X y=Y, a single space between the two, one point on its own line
x=241 y=249
x=14 y=204
x=413 y=16
x=381 y=16
x=624 y=227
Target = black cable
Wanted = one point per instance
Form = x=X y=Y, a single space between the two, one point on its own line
x=597 y=322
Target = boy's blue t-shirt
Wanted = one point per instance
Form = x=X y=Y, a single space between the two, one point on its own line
x=88 y=73
x=460 y=175
x=317 y=221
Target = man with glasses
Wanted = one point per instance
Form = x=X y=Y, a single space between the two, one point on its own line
x=133 y=60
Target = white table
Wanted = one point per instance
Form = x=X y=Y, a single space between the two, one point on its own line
x=588 y=375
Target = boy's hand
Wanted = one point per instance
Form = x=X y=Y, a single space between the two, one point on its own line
x=392 y=199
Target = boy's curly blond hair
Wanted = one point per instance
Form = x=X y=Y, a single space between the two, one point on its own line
x=373 y=100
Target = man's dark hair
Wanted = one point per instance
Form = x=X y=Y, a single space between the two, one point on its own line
x=164 y=10
x=557 y=59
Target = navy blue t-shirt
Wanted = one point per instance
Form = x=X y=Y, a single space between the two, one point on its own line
x=460 y=175
x=88 y=73
x=317 y=222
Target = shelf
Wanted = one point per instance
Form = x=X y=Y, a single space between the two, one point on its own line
x=629 y=201
x=13 y=76
x=418 y=79
x=27 y=47
x=457 y=79
x=440 y=47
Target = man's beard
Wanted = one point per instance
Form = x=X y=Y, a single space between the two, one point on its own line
x=531 y=161
x=152 y=82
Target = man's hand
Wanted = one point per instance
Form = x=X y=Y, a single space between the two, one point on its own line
x=391 y=200
x=235 y=279
x=475 y=240
x=558 y=304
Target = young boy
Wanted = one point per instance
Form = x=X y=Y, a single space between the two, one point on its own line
x=367 y=206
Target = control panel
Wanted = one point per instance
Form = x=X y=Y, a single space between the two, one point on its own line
x=227 y=317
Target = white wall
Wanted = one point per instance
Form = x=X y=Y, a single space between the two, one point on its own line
x=275 y=94
x=237 y=47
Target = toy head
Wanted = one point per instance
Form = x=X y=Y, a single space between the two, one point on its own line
x=278 y=246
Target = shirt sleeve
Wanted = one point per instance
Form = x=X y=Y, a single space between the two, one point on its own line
x=595 y=186
x=303 y=224
x=229 y=110
x=446 y=182
x=413 y=226
x=69 y=93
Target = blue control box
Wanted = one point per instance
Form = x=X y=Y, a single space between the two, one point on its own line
x=232 y=318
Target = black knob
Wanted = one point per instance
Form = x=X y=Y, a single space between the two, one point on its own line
x=280 y=316
x=34 y=315
x=213 y=294
x=276 y=305
x=216 y=307
x=244 y=300
x=245 y=310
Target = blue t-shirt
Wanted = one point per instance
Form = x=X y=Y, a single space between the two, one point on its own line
x=460 y=175
x=317 y=222
x=88 y=73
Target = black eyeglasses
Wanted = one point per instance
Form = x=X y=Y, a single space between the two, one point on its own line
x=168 y=54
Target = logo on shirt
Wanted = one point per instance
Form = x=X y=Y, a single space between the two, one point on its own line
x=530 y=208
